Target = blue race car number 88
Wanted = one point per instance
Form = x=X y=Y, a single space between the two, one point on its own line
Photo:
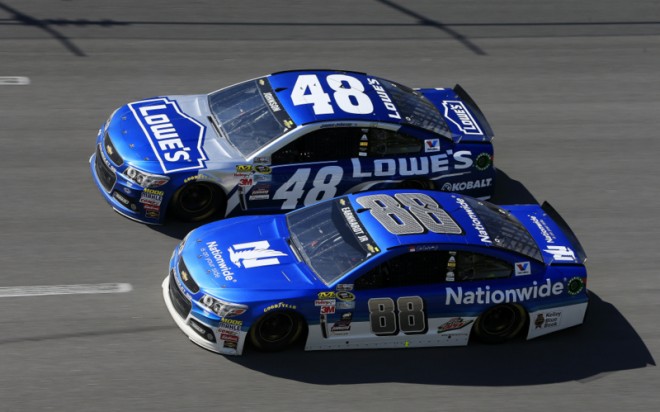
x=423 y=214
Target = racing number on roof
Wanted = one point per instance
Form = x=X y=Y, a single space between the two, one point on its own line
x=423 y=214
x=348 y=94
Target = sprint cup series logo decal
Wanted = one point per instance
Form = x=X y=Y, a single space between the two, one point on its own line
x=175 y=138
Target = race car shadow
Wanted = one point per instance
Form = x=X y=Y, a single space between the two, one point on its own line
x=605 y=343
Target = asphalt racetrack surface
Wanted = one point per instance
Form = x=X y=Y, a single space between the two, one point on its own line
x=572 y=90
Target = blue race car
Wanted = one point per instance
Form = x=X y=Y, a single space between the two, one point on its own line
x=286 y=140
x=384 y=269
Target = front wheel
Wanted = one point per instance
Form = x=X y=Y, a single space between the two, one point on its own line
x=500 y=323
x=276 y=331
x=198 y=201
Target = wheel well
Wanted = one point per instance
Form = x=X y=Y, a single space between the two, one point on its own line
x=217 y=189
x=523 y=324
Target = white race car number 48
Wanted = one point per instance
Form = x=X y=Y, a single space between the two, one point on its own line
x=348 y=94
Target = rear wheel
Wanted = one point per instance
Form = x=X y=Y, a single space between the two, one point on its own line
x=276 y=331
x=198 y=201
x=500 y=323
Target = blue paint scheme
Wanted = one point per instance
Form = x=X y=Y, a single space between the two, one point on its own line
x=290 y=284
x=147 y=133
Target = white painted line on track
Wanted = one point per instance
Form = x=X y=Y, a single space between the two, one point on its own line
x=22 y=291
x=14 y=81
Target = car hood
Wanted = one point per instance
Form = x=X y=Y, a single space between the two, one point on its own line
x=245 y=253
x=168 y=134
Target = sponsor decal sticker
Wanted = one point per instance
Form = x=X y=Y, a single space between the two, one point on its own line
x=476 y=223
x=484 y=295
x=262 y=169
x=280 y=305
x=164 y=124
x=469 y=185
x=229 y=337
x=550 y=319
x=254 y=254
x=220 y=266
x=326 y=295
x=561 y=253
x=385 y=98
x=431 y=145
x=483 y=161
x=345 y=304
x=345 y=296
x=523 y=268
x=343 y=324
x=230 y=325
x=152 y=197
x=454 y=324
x=243 y=168
x=458 y=114
x=575 y=285
x=546 y=232
x=412 y=166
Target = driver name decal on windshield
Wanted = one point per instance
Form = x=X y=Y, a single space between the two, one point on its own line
x=254 y=254
x=175 y=137
x=358 y=230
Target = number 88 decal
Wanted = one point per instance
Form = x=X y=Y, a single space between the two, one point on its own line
x=423 y=214
x=384 y=320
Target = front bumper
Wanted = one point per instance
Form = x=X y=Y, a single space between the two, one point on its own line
x=123 y=195
x=209 y=335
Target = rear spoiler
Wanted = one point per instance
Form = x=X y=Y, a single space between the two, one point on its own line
x=465 y=97
x=580 y=255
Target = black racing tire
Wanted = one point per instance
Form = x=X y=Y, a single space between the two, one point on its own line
x=276 y=331
x=417 y=184
x=500 y=323
x=198 y=201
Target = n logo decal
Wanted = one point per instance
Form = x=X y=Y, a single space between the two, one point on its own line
x=254 y=254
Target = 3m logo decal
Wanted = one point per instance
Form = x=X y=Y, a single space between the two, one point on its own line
x=254 y=254
x=457 y=113
x=175 y=137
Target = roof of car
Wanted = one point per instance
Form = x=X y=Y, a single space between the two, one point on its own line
x=462 y=226
x=317 y=100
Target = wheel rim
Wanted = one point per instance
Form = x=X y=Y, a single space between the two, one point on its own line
x=196 y=199
x=500 y=321
x=276 y=328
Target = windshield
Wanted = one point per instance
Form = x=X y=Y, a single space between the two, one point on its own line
x=330 y=238
x=504 y=229
x=416 y=109
x=249 y=115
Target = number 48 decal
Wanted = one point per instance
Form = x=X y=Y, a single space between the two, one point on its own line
x=348 y=94
x=384 y=320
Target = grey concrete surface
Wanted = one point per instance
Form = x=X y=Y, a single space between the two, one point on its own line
x=571 y=88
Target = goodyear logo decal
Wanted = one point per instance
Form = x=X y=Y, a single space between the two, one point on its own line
x=175 y=137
